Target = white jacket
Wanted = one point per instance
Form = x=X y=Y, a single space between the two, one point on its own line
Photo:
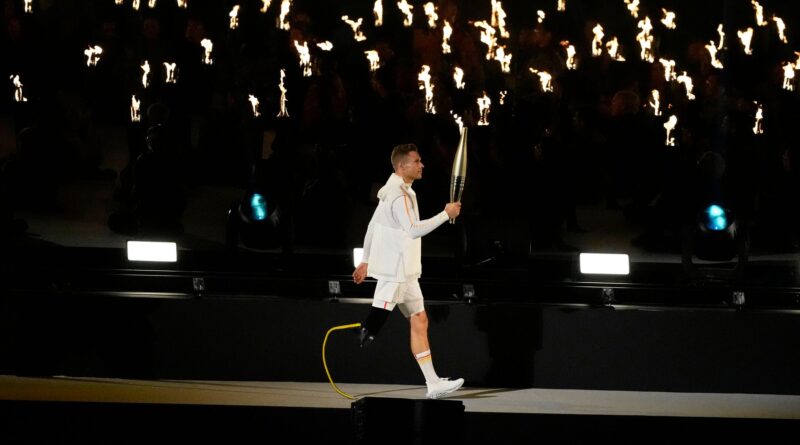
x=392 y=246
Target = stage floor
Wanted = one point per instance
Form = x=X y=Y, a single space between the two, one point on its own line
x=477 y=400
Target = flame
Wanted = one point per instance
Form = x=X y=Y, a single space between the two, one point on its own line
x=406 y=9
x=151 y=4
x=458 y=120
x=712 y=51
x=28 y=6
x=757 y=127
x=254 y=104
x=502 y=97
x=93 y=55
x=325 y=46
x=119 y=2
x=781 y=28
x=645 y=39
x=487 y=37
x=135 y=5
x=182 y=4
x=458 y=76
x=282 y=22
x=669 y=69
x=499 y=18
x=746 y=36
x=135 y=104
x=633 y=7
x=170 y=72
x=146 y=72
x=669 y=126
x=207 y=46
x=613 y=50
x=759 y=13
x=374 y=60
x=305 y=57
x=561 y=6
x=687 y=81
x=571 y=63
x=265 y=5
x=545 y=79
x=484 y=106
x=425 y=84
x=541 y=16
x=447 y=31
x=430 y=11
x=504 y=59
x=655 y=103
x=234 y=15
x=721 y=33
x=18 y=96
x=356 y=25
x=597 y=42
x=669 y=19
x=377 y=11
x=788 y=76
x=283 y=112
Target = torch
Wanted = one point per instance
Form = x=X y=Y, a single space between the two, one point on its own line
x=459 y=175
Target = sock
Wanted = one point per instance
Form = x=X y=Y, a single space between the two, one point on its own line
x=425 y=362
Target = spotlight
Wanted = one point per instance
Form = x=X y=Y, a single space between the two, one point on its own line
x=165 y=252
x=605 y=263
x=714 y=218
x=715 y=238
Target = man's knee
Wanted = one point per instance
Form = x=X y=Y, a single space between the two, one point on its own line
x=419 y=322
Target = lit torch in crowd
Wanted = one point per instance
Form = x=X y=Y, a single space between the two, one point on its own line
x=135 y=105
x=561 y=5
x=670 y=126
x=499 y=18
x=265 y=5
x=282 y=22
x=484 y=106
x=759 y=10
x=374 y=60
x=145 y=73
x=407 y=10
x=425 y=84
x=182 y=4
x=646 y=40
x=669 y=69
x=612 y=46
x=169 y=72
x=655 y=102
x=207 y=47
x=305 y=57
x=151 y=4
x=687 y=82
x=283 y=112
x=18 y=96
x=430 y=12
x=254 y=104
x=597 y=41
x=377 y=11
x=234 y=15
x=356 y=26
x=93 y=55
x=571 y=63
x=781 y=28
x=669 y=19
x=447 y=31
x=746 y=36
x=788 y=76
x=28 y=6
x=712 y=51
x=757 y=128
x=458 y=77
x=545 y=79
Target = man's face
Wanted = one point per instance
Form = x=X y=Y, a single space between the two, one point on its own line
x=412 y=166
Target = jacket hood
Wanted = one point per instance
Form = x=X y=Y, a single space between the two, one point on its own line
x=393 y=182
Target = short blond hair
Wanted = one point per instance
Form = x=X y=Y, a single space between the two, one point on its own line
x=400 y=152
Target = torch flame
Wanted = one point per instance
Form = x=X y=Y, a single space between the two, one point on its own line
x=425 y=84
x=234 y=15
x=135 y=104
x=721 y=33
x=377 y=11
x=613 y=50
x=669 y=69
x=93 y=55
x=135 y=5
x=182 y=4
x=447 y=31
x=406 y=9
x=781 y=28
x=119 y=2
x=28 y=6
x=430 y=11
x=499 y=18
x=487 y=37
x=18 y=96
x=146 y=72
x=571 y=63
x=746 y=36
x=282 y=22
x=504 y=59
x=325 y=46
x=484 y=106
x=633 y=7
x=645 y=39
x=356 y=26
x=669 y=126
x=561 y=6
x=597 y=42
x=788 y=76
x=458 y=76
x=265 y=5
x=458 y=120
x=170 y=72
x=655 y=103
x=757 y=127
x=374 y=59
x=207 y=46
x=545 y=79
x=687 y=81
x=283 y=112
x=541 y=16
x=759 y=13
x=305 y=57
x=254 y=104
x=151 y=4
x=502 y=97
x=669 y=19
x=712 y=51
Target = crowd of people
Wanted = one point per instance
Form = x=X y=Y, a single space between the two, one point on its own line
x=596 y=137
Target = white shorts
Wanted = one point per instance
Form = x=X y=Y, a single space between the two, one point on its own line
x=407 y=296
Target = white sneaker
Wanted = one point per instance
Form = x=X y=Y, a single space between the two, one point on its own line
x=443 y=387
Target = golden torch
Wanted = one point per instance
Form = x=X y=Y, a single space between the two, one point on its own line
x=459 y=175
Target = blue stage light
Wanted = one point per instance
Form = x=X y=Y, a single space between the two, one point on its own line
x=258 y=207
x=715 y=218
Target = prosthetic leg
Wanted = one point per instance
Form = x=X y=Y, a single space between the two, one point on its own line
x=376 y=318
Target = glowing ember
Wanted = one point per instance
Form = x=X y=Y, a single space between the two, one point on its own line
x=759 y=10
x=597 y=42
x=18 y=96
x=781 y=28
x=430 y=11
x=305 y=57
x=541 y=16
x=504 y=59
x=282 y=22
x=254 y=104
x=499 y=18
x=135 y=114
x=655 y=102
x=633 y=7
x=425 y=84
x=502 y=97
x=447 y=31
x=545 y=79
x=687 y=81
x=169 y=72
x=234 y=15
x=669 y=19
x=561 y=6
x=356 y=26
x=712 y=50
x=182 y=4
x=145 y=74
x=406 y=9
x=207 y=46
x=721 y=33
x=571 y=63
x=484 y=106
x=325 y=46
x=487 y=37
x=669 y=69
x=283 y=112
x=377 y=11
x=93 y=55
x=757 y=127
x=265 y=5
x=613 y=50
x=646 y=40
x=746 y=36
x=788 y=76
x=374 y=60
x=458 y=76
x=28 y=6
x=669 y=126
